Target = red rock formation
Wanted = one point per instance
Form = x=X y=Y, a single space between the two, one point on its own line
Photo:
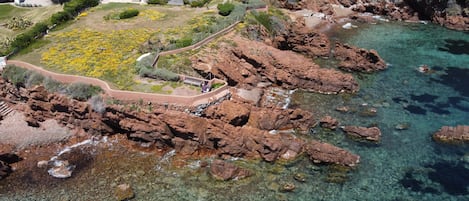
x=371 y=134
x=324 y=6
x=230 y=112
x=303 y=40
x=188 y=134
x=452 y=134
x=358 y=59
x=322 y=152
x=249 y=62
x=223 y=170
x=328 y=122
x=239 y=114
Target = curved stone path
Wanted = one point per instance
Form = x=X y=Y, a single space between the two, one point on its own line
x=130 y=95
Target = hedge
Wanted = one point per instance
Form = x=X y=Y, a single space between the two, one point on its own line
x=25 y=39
x=128 y=13
x=225 y=9
x=160 y=2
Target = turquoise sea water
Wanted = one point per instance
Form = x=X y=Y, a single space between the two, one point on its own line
x=406 y=165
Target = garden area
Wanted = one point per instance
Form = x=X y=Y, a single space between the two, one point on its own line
x=105 y=41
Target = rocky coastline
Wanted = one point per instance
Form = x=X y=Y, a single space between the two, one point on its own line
x=451 y=14
x=239 y=126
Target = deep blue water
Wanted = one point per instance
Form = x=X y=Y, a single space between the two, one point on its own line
x=406 y=165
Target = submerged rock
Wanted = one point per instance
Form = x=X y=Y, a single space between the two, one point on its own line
x=61 y=169
x=402 y=126
x=288 y=187
x=452 y=134
x=371 y=134
x=5 y=169
x=299 y=177
x=222 y=170
x=328 y=122
x=124 y=192
x=5 y=160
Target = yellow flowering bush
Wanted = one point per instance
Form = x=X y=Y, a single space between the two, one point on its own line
x=110 y=56
x=153 y=15
x=83 y=14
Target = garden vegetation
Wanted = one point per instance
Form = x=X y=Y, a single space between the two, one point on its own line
x=225 y=9
x=25 y=78
x=109 y=56
x=129 y=13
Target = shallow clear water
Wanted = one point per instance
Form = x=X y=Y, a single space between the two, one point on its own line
x=406 y=165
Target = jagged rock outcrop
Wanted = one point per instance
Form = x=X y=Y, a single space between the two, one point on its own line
x=324 y=6
x=248 y=63
x=239 y=114
x=322 y=152
x=452 y=14
x=303 y=40
x=168 y=129
x=222 y=170
x=230 y=112
x=400 y=12
x=358 y=59
x=452 y=134
x=371 y=134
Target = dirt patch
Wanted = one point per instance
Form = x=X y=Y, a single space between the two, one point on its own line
x=15 y=131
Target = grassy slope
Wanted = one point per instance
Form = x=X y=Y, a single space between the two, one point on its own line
x=37 y=14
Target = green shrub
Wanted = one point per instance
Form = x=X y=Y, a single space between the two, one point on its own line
x=225 y=9
x=199 y=3
x=128 y=13
x=217 y=85
x=52 y=85
x=82 y=91
x=14 y=74
x=159 y=73
x=184 y=42
x=60 y=17
x=74 y=7
x=33 y=79
x=160 y=2
x=23 y=40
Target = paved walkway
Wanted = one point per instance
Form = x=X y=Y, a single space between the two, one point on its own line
x=130 y=95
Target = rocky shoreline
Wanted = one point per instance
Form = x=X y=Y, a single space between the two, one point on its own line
x=450 y=14
x=238 y=127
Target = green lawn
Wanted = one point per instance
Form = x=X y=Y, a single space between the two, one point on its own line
x=7 y=11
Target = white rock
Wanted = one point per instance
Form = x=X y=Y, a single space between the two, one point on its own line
x=61 y=169
x=347 y=25
x=42 y=164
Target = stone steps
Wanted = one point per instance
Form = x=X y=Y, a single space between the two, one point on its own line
x=4 y=109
